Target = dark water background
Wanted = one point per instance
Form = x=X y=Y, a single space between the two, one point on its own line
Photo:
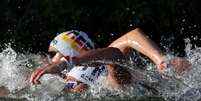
x=31 y=24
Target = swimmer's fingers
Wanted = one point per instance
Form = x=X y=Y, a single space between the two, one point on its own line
x=38 y=76
x=35 y=76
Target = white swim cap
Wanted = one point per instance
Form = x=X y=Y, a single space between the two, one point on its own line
x=71 y=43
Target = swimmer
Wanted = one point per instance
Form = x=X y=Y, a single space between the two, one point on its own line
x=74 y=49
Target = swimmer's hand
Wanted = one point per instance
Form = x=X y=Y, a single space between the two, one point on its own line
x=37 y=74
x=179 y=65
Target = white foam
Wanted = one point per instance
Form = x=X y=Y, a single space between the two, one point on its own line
x=16 y=68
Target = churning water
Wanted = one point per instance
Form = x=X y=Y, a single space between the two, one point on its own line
x=16 y=68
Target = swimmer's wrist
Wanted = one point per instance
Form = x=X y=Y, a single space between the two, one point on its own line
x=162 y=65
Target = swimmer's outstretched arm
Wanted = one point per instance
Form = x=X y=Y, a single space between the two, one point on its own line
x=114 y=54
x=137 y=40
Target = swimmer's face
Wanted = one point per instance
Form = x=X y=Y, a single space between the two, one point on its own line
x=57 y=58
x=55 y=55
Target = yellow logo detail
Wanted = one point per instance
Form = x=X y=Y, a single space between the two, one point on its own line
x=73 y=44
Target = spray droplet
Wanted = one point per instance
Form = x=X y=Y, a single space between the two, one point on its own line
x=183 y=20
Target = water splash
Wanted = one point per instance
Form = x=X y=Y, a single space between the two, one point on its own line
x=15 y=70
x=185 y=87
x=11 y=73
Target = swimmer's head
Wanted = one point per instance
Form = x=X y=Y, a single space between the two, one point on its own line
x=70 y=44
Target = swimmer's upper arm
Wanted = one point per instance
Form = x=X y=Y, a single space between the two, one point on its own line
x=100 y=56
